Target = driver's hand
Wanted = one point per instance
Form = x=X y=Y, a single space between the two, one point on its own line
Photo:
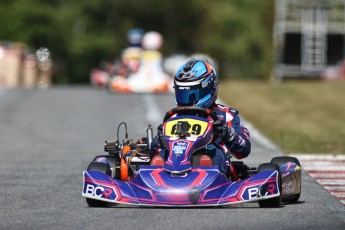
x=219 y=128
x=231 y=134
x=228 y=134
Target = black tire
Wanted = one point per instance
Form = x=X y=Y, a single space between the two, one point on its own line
x=99 y=167
x=283 y=160
x=273 y=202
x=114 y=165
x=96 y=203
x=103 y=168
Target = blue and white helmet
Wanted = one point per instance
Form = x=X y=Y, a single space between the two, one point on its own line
x=134 y=37
x=196 y=83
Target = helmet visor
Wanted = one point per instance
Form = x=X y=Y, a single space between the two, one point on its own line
x=185 y=96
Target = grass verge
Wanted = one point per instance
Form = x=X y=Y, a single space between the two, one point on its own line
x=301 y=117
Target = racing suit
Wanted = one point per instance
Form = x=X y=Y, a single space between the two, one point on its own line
x=237 y=145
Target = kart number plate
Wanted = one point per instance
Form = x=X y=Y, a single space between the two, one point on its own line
x=197 y=127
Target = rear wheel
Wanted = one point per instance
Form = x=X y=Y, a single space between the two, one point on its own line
x=103 y=168
x=275 y=201
x=283 y=160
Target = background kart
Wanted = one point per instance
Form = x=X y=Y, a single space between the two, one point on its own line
x=125 y=176
x=149 y=78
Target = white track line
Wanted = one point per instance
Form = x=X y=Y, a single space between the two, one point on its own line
x=342 y=196
x=340 y=181
x=153 y=113
x=323 y=168
x=339 y=189
x=327 y=175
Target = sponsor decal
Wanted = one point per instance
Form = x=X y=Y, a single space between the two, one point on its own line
x=99 y=191
x=227 y=163
x=94 y=190
x=254 y=192
x=179 y=148
x=184 y=87
x=241 y=141
x=288 y=187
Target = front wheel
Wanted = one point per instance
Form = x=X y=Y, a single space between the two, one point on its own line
x=103 y=168
x=283 y=160
x=275 y=201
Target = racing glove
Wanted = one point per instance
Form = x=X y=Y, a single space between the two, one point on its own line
x=228 y=134
x=231 y=135
x=219 y=128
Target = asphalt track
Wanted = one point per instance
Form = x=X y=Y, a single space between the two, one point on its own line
x=48 y=137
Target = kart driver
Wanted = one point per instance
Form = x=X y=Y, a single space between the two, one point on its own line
x=130 y=57
x=232 y=137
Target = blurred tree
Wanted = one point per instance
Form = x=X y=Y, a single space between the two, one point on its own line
x=80 y=34
x=240 y=37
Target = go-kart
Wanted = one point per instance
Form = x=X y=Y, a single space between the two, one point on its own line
x=127 y=176
x=149 y=78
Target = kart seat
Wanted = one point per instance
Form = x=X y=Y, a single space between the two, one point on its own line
x=202 y=160
x=157 y=161
x=198 y=160
x=205 y=161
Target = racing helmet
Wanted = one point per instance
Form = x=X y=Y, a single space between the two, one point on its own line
x=152 y=40
x=196 y=83
x=134 y=37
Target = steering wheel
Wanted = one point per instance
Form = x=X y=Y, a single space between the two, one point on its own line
x=190 y=109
